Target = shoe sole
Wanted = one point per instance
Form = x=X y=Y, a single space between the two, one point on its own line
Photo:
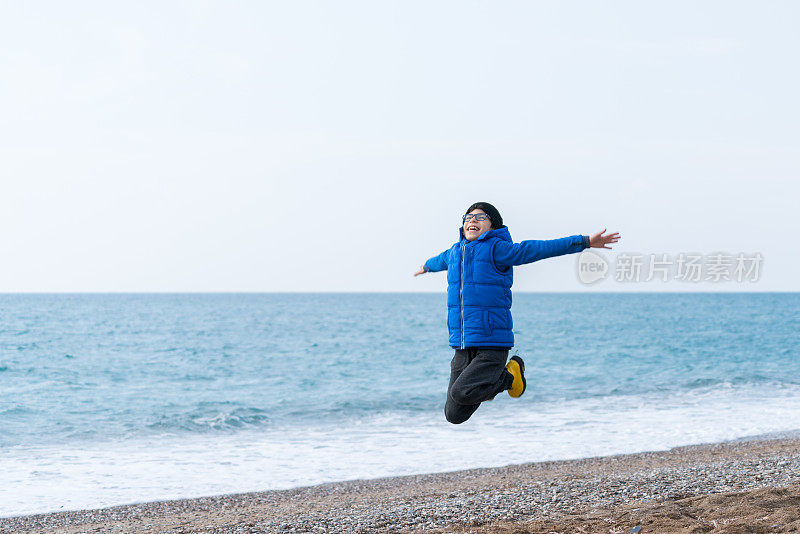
x=517 y=362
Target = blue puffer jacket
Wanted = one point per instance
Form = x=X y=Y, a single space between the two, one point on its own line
x=479 y=278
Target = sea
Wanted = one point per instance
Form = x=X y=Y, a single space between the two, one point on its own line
x=110 y=399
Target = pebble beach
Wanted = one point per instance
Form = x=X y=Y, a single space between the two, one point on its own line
x=741 y=486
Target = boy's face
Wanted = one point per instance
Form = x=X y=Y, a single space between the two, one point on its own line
x=473 y=228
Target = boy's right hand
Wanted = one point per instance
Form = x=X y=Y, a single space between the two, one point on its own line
x=420 y=271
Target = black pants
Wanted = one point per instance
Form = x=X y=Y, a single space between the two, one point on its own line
x=476 y=375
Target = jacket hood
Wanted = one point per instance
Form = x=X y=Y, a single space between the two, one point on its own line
x=500 y=233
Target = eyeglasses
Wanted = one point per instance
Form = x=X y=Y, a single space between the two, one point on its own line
x=477 y=216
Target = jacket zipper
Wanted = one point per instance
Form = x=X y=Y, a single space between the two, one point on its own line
x=461 y=293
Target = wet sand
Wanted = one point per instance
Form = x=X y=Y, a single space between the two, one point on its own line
x=743 y=486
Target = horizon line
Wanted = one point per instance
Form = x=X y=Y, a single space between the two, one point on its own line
x=333 y=292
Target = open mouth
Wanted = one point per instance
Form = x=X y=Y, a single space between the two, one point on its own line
x=472 y=229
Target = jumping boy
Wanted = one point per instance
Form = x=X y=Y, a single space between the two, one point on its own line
x=479 y=278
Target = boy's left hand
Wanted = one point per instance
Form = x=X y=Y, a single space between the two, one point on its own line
x=599 y=240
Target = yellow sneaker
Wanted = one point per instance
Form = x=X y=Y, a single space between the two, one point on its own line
x=516 y=367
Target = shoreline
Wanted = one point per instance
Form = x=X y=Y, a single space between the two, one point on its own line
x=553 y=496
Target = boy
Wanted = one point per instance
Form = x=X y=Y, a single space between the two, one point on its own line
x=479 y=278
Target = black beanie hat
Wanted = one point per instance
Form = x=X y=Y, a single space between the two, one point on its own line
x=491 y=211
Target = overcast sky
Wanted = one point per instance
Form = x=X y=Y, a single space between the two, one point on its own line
x=333 y=146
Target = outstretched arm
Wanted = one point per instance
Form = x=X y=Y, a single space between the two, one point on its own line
x=508 y=254
x=436 y=263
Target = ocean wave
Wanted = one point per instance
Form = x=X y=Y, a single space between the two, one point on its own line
x=206 y=418
x=200 y=364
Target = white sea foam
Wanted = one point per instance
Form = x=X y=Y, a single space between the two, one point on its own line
x=93 y=475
